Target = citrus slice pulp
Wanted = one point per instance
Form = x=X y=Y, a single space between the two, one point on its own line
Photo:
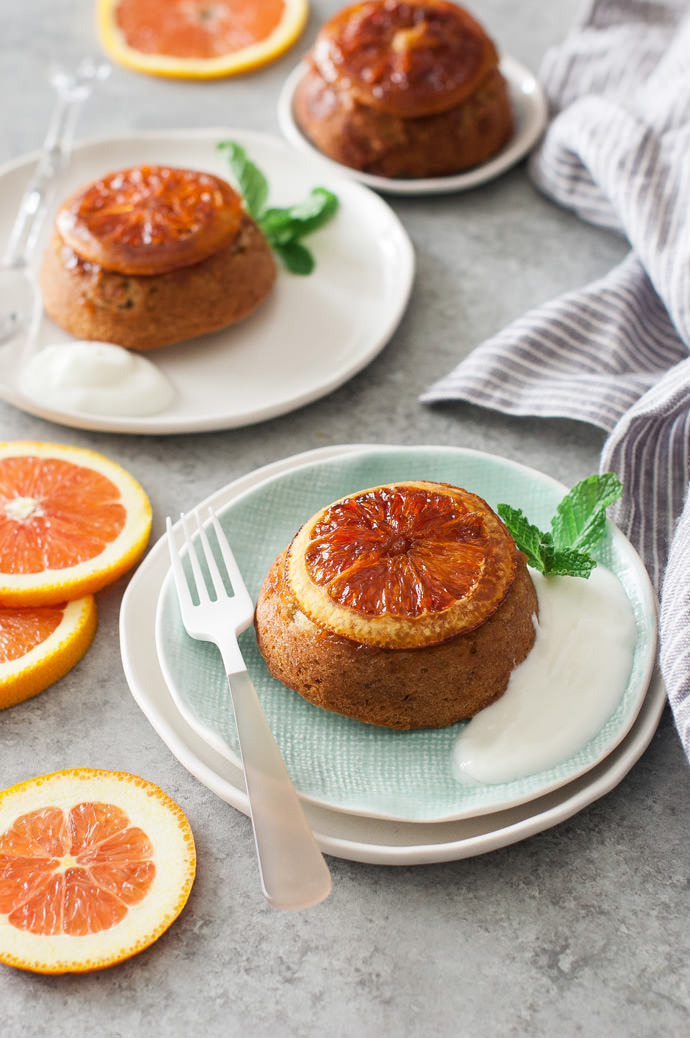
x=39 y=645
x=199 y=39
x=403 y=565
x=71 y=521
x=94 y=867
x=150 y=219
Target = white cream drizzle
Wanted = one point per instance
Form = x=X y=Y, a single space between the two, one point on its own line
x=559 y=697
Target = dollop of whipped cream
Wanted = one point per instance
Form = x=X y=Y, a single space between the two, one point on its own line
x=97 y=378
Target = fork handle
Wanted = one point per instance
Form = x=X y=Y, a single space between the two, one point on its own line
x=293 y=871
x=72 y=89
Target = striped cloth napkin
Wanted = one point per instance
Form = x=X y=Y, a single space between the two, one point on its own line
x=617 y=352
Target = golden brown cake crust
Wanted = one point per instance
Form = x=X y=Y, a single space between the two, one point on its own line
x=395 y=688
x=387 y=145
x=144 y=312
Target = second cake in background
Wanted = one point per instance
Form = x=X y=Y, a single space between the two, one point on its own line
x=404 y=89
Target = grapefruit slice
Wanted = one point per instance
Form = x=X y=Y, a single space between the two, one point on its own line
x=71 y=521
x=410 y=59
x=150 y=219
x=39 y=645
x=94 y=867
x=199 y=39
x=403 y=565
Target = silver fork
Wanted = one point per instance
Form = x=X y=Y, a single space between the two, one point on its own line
x=293 y=871
x=19 y=298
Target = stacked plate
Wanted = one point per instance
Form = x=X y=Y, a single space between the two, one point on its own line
x=371 y=794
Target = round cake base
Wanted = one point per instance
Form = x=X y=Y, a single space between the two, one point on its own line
x=387 y=145
x=429 y=687
x=145 y=312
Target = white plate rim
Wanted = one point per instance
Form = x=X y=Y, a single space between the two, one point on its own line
x=526 y=94
x=348 y=836
x=159 y=424
x=226 y=496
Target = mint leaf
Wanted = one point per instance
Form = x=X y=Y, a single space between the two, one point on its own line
x=526 y=535
x=282 y=227
x=569 y=562
x=578 y=525
x=317 y=209
x=580 y=519
x=251 y=181
x=296 y=257
x=276 y=223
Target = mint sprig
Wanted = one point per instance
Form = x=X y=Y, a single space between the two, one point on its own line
x=576 y=528
x=283 y=228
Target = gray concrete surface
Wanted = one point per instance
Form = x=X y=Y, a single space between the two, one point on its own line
x=581 y=930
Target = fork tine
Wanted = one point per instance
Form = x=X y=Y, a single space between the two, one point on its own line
x=238 y=585
x=216 y=577
x=201 y=588
x=183 y=592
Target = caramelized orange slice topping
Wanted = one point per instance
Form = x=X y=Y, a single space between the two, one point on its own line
x=403 y=565
x=410 y=58
x=150 y=219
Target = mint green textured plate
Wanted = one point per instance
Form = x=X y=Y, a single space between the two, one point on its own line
x=334 y=761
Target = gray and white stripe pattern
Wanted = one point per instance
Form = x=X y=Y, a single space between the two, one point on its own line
x=617 y=352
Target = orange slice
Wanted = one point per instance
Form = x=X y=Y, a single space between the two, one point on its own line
x=150 y=219
x=71 y=521
x=39 y=645
x=403 y=565
x=94 y=867
x=413 y=58
x=199 y=39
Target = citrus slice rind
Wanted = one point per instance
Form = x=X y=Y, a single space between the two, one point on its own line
x=249 y=56
x=401 y=566
x=411 y=59
x=71 y=522
x=150 y=220
x=153 y=831
x=38 y=646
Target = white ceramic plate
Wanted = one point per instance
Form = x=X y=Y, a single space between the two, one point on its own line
x=340 y=763
x=529 y=110
x=311 y=335
x=351 y=836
